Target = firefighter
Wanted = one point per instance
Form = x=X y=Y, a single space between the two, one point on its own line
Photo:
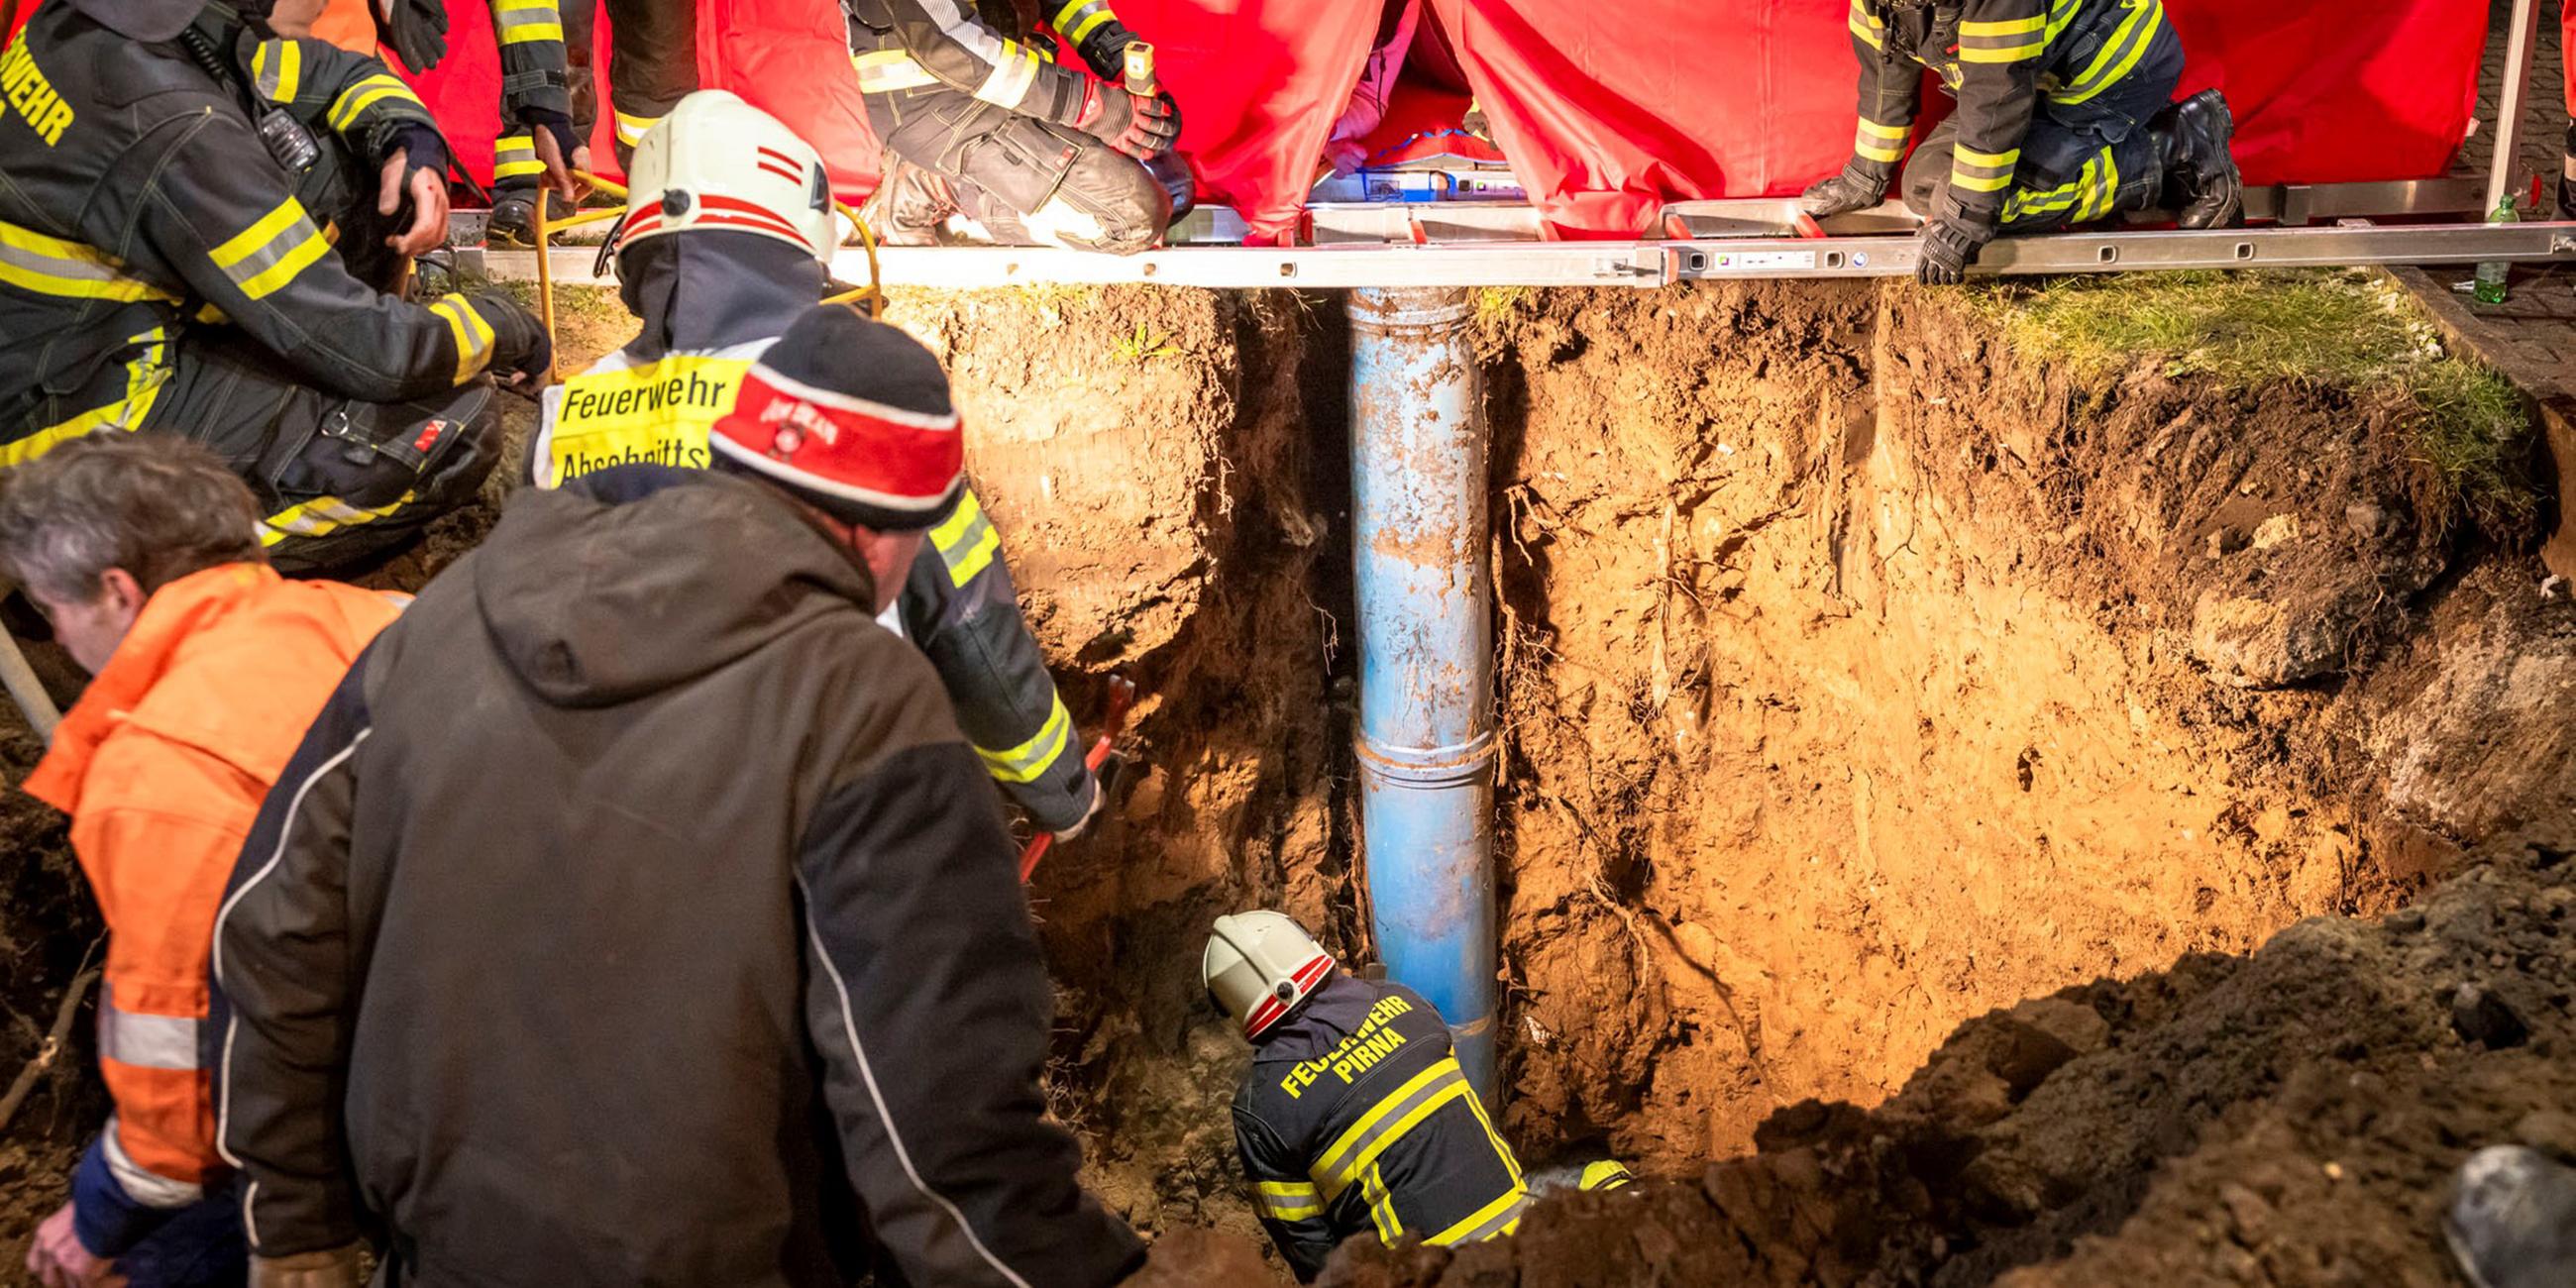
x=730 y=949
x=652 y=65
x=726 y=242
x=1356 y=1116
x=142 y=550
x=165 y=267
x=2064 y=117
x=1034 y=151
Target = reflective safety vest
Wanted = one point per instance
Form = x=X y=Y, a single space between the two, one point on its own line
x=626 y=412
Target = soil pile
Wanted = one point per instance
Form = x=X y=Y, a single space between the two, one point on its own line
x=2291 y=1117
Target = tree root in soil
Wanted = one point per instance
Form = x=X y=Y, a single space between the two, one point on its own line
x=50 y=1051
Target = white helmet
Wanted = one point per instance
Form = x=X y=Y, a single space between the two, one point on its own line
x=1260 y=965
x=718 y=162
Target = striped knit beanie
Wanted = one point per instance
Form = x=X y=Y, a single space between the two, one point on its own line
x=852 y=417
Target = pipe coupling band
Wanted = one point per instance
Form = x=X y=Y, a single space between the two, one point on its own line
x=1388 y=310
x=1432 y=767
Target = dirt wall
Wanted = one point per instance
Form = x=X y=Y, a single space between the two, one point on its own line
x=1865 y=675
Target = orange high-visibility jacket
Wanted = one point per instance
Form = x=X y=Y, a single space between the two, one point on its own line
x=162 y=765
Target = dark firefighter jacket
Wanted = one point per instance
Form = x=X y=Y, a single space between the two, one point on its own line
x=2000 y=58
x=656 y=399
x=1356 y=1117
x=136 y=202
x=632 y=906
x=908 y=44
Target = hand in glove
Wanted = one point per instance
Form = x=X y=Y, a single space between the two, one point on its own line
x=416 y=30
x=415 y=168
x=1142 y=128
x=522 y=353
x=559 y=150
x=1099 y=801
x=1950 y=244
x=1843 y=193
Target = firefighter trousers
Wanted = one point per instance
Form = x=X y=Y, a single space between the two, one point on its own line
x=652 y=65
x=338 y=480
x=2079 y=161
x=1027 y=181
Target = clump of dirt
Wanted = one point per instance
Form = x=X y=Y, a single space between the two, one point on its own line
x=2289 y=1117
x=1864 y=673
x=49 y=935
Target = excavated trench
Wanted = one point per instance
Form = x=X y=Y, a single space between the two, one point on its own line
x=1861 y=674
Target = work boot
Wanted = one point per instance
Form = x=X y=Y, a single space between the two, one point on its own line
x=2512 y=1220
x=2567 y=177
x=910 y=206
x=513 y=221
x=2199 y=176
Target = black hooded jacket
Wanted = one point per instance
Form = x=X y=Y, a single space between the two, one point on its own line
x=633 y=907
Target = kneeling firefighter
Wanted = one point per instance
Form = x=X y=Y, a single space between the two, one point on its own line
x=1034 y=151
x=727 y=234
x=186 y=247
x=1356 y=1116
x=2065 y=116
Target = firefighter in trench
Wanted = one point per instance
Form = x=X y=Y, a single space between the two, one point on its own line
x=726 y=241
x=1034 y=151
x=1356 y=1117
x=2065 y=117
x=199 y=213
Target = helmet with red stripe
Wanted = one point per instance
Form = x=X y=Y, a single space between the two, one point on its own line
x=719 y=163
x=1260 y=966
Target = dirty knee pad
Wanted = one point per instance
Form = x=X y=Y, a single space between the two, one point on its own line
x=365 y=477
x=1107 y=202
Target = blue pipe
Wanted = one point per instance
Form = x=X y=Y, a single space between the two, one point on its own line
x=1426 y=736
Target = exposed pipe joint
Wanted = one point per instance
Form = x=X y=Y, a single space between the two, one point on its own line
x=1426 y=739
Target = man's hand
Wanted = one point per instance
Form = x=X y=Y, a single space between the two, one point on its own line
x=1099 y=800
x=560 y=154
x=57 y=1260
x=1950 y=244
x=428 y=192
x=1143 y=128
x=1842 y=194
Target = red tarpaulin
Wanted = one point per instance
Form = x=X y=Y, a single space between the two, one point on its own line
x=1607 y=111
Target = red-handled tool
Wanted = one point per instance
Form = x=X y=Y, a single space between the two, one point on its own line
x=1122 y=694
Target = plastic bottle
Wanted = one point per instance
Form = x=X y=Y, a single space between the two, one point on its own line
x=2493 y=274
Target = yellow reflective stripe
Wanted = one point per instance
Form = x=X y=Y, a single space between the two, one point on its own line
x=1878 y=142
x=1011 y=77
x=322 y=516
x=1867 y=26
x=1089 y=25
x=1983 y=171
x=1607 y=1174
x=1485 y=1222
x=32 y=261
x=268 y=254
x=630 y=129
x=2126 y=46
x=144 y=376
x=1502 y=1148
x=473 y=334
x=1288 y=1200
x=2008 y=54
x=2007 y=27
x=2103 y=176
x=514 y=155
x=280 y=82
x=521 y=21
x=887 y=70
x=2060 y=13
x=366 y=93
x=1381 y=1206
x=966 y=540
x=1351 y=1154
x=1024 y=763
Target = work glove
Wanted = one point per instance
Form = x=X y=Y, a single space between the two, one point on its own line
x=1853 y=189
x=1099 y=801
x=1951 y=243
x=559 y=149
x=1142 y=128
x=414 y=174
x=416 y=30
x=522 y=353
x=329 y=1268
